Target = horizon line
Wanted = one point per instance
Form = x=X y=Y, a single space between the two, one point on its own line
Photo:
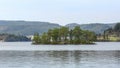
x=61 y=24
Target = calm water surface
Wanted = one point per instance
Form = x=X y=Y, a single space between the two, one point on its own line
x=59 y=59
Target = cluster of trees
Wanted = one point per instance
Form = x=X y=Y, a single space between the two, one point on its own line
x=115 y=31
x=13 y=38
x=64 y=35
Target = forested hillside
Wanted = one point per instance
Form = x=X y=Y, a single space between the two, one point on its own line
x=31 y=27
x=25 y=27
x=98 y=28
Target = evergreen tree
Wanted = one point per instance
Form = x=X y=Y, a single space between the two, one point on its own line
x=117 y=27
x=55 y=35
x=44 y=39
x=36 y=38
x=77 y=35
x=64 y=34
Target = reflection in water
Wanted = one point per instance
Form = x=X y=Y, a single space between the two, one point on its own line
x=59 y=59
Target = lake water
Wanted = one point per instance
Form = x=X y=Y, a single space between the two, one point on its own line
x=69 y=58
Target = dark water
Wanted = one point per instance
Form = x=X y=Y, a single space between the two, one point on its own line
x=59 y=59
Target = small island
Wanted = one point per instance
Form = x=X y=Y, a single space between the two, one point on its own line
x=64 y=35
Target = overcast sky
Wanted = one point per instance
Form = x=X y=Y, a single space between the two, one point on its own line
x=61 y=11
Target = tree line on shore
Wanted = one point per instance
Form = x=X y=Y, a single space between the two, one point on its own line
x=64 y=35
x=111 y=34
x=13 y=38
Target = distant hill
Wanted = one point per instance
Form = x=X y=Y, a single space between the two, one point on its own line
x=25 y=27
x=30 y=27
x=96 y=27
